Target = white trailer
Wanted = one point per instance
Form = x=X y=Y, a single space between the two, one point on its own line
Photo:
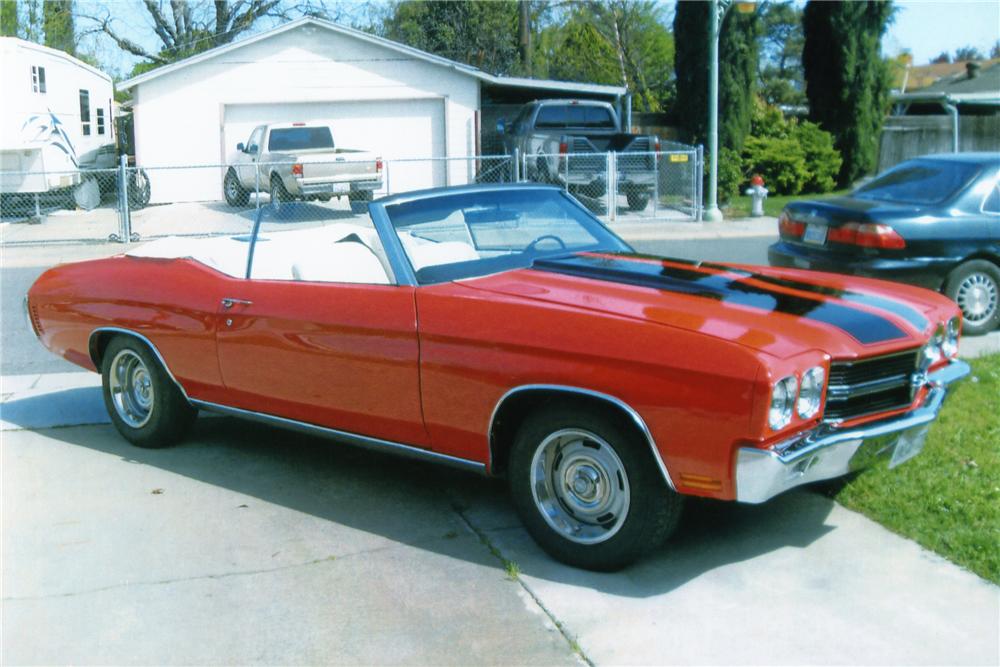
x=56 y=115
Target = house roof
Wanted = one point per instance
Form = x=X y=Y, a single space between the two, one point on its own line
x=475 y=72
x=919 y=77
x=987 y=81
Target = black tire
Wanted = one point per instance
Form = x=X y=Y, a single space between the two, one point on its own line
x=618 y=534
x=975 y=287
x=143 y=402
x=279 y=194
x=637 y=200
x=236 y=194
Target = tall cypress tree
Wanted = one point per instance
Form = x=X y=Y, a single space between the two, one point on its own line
x=59 y=30
x=846 y=80
x=8 y=18
x=737 y=73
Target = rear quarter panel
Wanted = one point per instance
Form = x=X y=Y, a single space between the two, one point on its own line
x=170 y=302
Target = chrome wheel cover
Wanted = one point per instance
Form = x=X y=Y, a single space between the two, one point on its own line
x=131 y=388
x=977 y=296
x=579 y=486
x=232 y=187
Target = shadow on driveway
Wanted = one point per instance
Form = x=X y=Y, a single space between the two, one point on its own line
x=381 y=494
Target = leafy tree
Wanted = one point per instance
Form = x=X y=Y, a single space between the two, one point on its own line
x=184 y=29
x=846 y=79
x=780 y=67
x=483 y=34
x=995 y=51
x=623 y=42
x=737 y=73
x=8 y=18
x=58 y=21
x=968 y=53
x=943 y=57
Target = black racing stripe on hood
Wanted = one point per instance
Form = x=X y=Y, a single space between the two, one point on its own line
x=907 y=312
x=865 y=327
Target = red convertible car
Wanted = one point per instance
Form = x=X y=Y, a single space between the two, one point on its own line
x=505 y=330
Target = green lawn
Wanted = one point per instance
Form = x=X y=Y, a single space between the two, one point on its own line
x=740 y=207
x=947 y=498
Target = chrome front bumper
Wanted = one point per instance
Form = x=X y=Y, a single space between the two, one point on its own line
x=827 y=451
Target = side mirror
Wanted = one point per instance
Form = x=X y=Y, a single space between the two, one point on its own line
x=241 y=148
x=501 y=126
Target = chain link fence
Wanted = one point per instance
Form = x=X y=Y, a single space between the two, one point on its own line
x=130 y=204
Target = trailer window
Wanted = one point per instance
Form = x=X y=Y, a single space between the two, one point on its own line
x=37 y=79
x=100 y=120
x=85 y=111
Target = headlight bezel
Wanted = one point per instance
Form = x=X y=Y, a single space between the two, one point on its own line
x=780 y=410
x=813 y=381
x=949 y=346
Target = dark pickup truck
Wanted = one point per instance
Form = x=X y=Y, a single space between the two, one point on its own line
x=565 y=141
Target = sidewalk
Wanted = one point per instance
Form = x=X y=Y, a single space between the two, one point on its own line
x=246 y=544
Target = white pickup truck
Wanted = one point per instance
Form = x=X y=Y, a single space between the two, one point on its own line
x=300 y=161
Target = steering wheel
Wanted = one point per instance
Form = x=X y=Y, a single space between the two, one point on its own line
x=545 y=237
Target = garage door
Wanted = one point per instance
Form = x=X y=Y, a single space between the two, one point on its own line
x=397 y=129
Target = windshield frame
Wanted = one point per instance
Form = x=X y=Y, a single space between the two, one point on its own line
x=405 y=273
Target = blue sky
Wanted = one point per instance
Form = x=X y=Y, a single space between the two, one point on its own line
x=928 y=28
x=924 y=27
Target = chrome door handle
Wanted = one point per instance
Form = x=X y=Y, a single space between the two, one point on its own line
x=229 y=303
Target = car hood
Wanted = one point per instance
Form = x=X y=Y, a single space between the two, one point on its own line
x=778 y=311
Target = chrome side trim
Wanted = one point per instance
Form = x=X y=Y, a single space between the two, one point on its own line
x=617 y=402
x=364 y=441
x=149 y=343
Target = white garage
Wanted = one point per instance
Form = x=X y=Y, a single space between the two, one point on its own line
x=419 y=111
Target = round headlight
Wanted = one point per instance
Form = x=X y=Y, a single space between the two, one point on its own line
x=810 y=393
x=782 y=402
x=932 y=352
x=949 y=348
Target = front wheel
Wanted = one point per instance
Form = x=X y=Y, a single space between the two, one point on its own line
x=236 y=194
x=587 y=491
x=144 y=404
x=975 y=287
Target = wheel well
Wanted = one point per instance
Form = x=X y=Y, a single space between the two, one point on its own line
x=979 y=255
x=98 y=344
x=515 y=407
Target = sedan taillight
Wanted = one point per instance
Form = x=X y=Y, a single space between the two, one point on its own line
x=790 y=228
x=866 y=235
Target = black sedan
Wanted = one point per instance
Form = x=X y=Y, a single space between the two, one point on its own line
x=932 y=221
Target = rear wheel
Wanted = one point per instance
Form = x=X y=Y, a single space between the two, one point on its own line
x=236 y=194
x=637 y=200
x=144 y=404
x=975 y=287
x=279 y=195
x=586 y=490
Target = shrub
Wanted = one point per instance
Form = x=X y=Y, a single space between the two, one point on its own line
x=822 y=159
x=781 y=162
x=730 y=174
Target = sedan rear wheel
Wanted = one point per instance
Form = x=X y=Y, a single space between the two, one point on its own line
x=586 y=490
x=144 y=404
x=975 y=287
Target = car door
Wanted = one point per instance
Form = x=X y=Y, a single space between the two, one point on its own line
x=316 y=349
x=247 y=166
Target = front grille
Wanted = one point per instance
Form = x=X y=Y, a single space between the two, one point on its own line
x=868 y=386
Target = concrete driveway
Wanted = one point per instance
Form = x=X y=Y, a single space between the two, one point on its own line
x=252 y=545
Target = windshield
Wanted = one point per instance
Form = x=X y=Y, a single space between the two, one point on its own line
x=299 y=138
x=462 y=235
x=920 y=182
